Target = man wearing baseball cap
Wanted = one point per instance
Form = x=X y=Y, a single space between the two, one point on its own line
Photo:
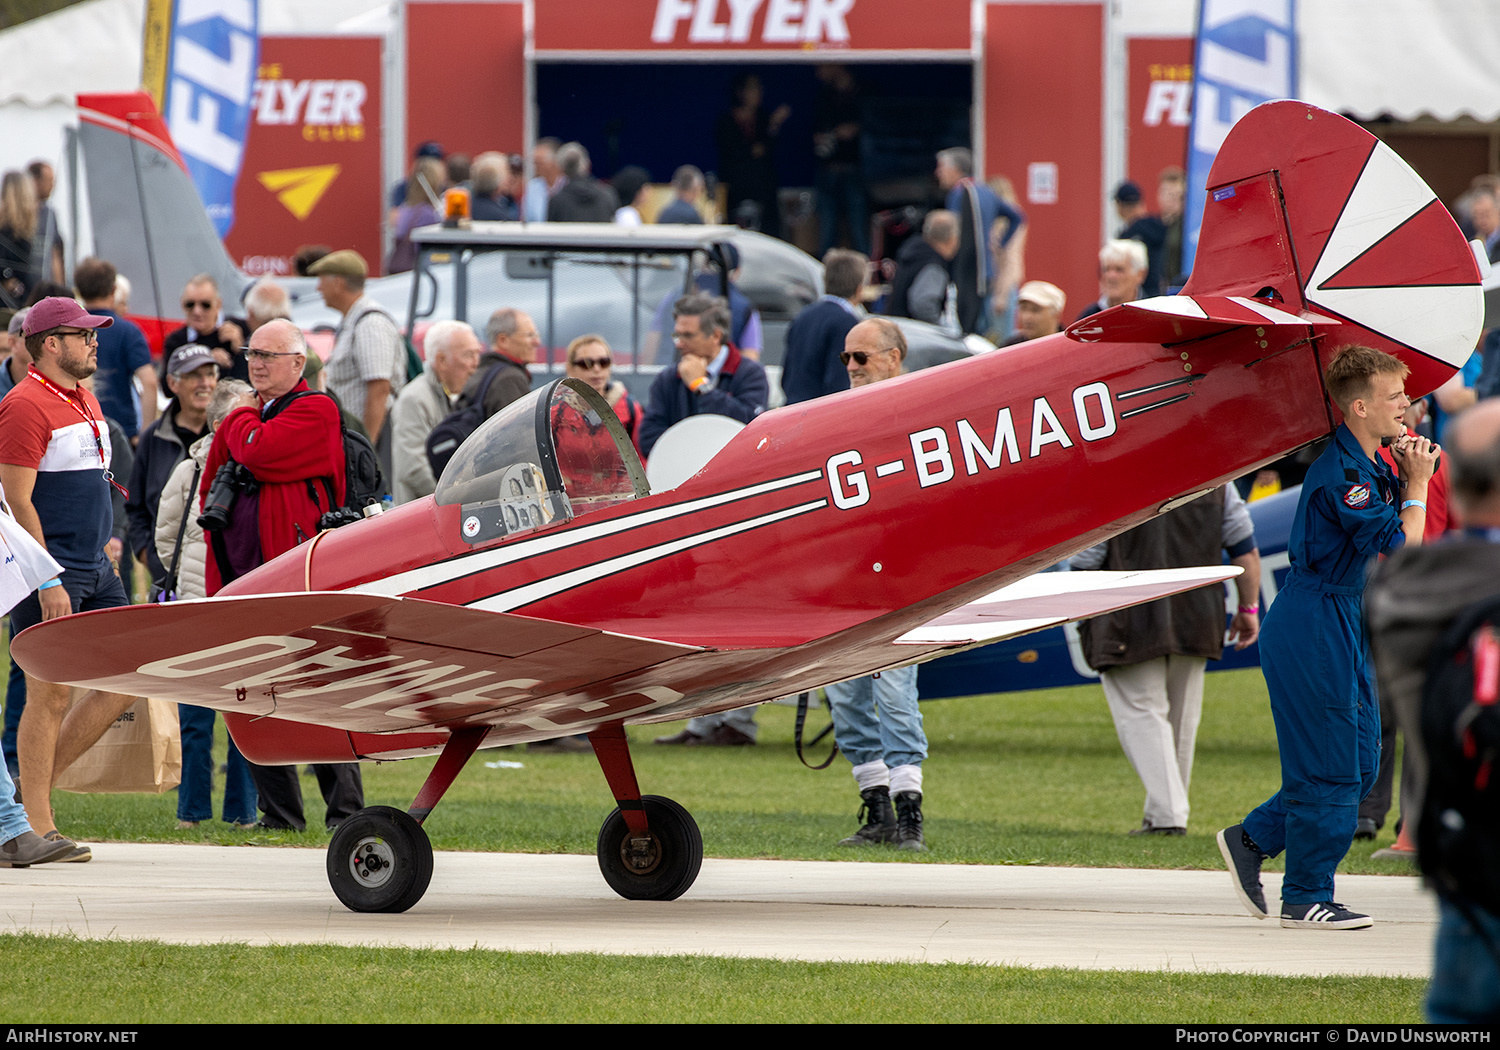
x=1039 y=308
x=54 y=464
x=367 y=368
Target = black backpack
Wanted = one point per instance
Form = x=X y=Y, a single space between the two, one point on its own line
x=364 y=483
x=1458 y=840
x=457 y=425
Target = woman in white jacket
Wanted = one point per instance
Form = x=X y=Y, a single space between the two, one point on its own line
x=182 y=548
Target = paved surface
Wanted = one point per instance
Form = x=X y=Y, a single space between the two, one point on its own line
x=1032 y=916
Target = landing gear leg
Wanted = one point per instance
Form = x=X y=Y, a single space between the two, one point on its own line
x=649 y=847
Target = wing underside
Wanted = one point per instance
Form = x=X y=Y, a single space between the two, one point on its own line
x=1049 y=599
x=355 y=662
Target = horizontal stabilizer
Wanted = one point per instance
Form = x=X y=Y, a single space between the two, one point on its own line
x=1175 y=318
x=1049 y=599
x=356 y=662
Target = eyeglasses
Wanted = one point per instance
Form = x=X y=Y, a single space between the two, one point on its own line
x=862 y=357
x=266 y=356
x=588 y=364
x=197 y=304
x=683 y=337
x=88 y=335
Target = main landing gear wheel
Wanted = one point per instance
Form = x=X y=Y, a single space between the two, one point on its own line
x=379 y=860
x=659 y=866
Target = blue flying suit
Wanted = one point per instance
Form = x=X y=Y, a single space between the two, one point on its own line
x=1315 y=655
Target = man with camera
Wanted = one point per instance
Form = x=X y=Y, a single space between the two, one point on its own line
x=277 y=462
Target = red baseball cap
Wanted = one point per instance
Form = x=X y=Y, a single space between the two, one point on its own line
x=56 y=311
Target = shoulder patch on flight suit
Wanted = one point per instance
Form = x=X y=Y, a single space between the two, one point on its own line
x=1350 y=474
x=1357 y=496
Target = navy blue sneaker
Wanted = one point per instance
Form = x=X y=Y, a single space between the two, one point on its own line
x=1322 y=915
x=1244 y=869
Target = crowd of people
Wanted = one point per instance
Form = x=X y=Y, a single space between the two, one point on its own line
x=243 y=392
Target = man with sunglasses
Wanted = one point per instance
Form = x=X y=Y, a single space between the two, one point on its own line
x=876 y=720
x=55 y=459
x=207 y=326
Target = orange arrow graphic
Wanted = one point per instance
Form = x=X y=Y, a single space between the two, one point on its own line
x=300 y=189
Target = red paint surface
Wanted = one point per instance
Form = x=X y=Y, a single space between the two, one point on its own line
x=477 y=45
x=267 y=232
x=1043 y=82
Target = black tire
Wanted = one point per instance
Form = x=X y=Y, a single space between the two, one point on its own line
x=379 y=860
x=669 y=862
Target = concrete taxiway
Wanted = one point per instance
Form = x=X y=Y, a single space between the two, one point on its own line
x=1031 y=916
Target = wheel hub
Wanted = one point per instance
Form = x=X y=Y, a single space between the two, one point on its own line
x=372 y=862
x=641 y=853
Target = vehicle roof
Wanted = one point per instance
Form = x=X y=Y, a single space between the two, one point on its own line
x=577 y=236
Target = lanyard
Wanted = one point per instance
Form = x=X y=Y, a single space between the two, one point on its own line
x=82 y=408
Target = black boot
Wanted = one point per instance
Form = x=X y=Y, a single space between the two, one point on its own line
x=879 y=818
x=909 y=822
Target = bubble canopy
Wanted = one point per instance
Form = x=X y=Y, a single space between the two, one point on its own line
x=557 y=453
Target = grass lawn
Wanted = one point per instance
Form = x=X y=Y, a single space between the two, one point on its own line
x=65 y=981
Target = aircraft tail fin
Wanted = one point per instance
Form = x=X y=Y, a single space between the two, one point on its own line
x=147 y=218
x=1313 y=207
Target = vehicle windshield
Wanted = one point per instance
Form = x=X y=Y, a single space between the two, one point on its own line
x=557 y=453
x=567 y=293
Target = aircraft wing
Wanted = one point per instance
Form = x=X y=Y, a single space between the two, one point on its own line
x=1048 y=599
x=356 y=662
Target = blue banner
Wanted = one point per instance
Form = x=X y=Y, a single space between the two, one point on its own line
x=212 y=51
x=1245 y=54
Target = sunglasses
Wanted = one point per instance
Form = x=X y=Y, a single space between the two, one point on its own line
x=197 y=304
x=588 y=364
x=862 y=357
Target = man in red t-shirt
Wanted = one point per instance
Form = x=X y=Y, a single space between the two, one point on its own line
x=54 y=464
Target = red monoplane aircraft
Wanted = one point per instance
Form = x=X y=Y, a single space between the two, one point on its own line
x=544 y=590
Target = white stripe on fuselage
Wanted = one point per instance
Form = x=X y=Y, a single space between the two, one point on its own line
x=468 y=564
x=535 y=592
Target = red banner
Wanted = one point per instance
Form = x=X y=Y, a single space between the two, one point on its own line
x=311 y=173
x=753 y=25
x=1161 y=95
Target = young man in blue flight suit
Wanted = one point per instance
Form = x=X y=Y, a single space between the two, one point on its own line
x=1314 y=650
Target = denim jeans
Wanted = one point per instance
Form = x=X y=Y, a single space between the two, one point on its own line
x=1465 y=985
x=13 y=820
x=195 y=793
x=877 y=718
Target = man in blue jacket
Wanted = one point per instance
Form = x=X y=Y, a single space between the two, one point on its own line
x=816 y=337
x=1314 y=649
x=711 y=378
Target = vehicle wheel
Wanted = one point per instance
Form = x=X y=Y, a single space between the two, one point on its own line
x=659 y=866
x=379 y=860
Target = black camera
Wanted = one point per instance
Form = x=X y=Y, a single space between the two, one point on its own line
x=231 y=480
x=337 y=517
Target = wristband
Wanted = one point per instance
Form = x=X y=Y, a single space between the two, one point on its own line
x=1252 y=610
x=1415 y=503
x=54 y=582
x=698 y=383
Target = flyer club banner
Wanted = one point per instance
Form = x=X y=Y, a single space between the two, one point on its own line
x=311 y=172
